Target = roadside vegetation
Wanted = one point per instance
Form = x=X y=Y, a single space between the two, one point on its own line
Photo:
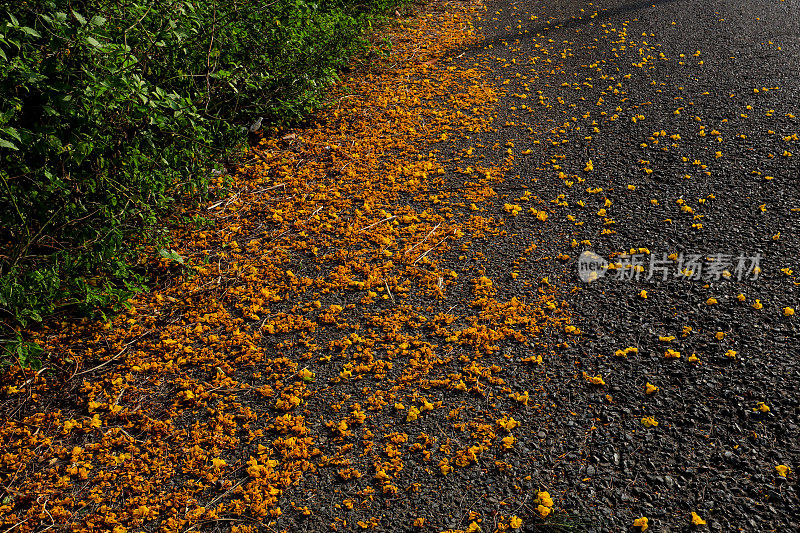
x=110 y=112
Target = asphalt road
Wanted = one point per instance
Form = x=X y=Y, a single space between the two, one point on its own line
x=687 y=111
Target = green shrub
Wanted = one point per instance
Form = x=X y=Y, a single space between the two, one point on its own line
x=112 y=110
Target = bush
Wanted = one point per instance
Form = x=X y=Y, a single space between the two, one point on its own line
x=111 y=110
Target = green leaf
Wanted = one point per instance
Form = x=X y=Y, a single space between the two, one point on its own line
x=94 y=42
x=8 y=130
x=172 y=255
x=6 y=144
x=97 y=20
x=30 y=31
x=3 y=55
x=79 y=18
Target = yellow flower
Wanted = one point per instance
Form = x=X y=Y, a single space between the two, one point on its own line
x=711 y=301
x=731 y=354
x=521 y=397
x=783 y=470
x=757 y=304
x=672 y=354
x=543 y=511
x=543 y=497
x=626 y=351
x=788 y=311
x=594 y=380
x=642 y=523
x=507 y=423
x=643 y=294
x=761 y=406
x=589 y=166
x=650 y=388
x=515 y=522
x=649 y=422
x=696 y=520
x=444 y=467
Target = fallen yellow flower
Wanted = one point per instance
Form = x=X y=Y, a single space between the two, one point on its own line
x=624 y=352
x=543 y=497
x=783 y=470
x=595 y=380
x=649 y=422
x=696 y=520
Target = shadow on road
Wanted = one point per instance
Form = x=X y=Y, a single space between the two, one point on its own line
x=542 y=28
